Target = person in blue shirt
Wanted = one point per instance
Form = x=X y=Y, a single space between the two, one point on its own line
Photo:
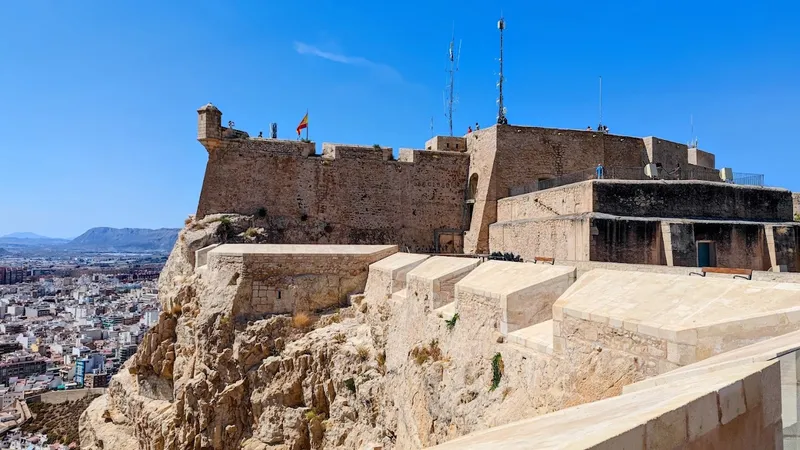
x=599 y=171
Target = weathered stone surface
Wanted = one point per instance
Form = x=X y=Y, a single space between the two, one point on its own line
x=350 y=379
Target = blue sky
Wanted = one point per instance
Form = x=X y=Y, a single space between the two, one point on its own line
x=99 y=98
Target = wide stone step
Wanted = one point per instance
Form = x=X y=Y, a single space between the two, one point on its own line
x=537 y=337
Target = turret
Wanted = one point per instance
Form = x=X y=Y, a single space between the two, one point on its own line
x=209 y=123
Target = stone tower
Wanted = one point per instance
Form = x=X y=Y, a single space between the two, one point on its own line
x=209 y=123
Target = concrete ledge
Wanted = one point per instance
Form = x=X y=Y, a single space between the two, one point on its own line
x=434 y=280
x=521 y=293
x=705 y=411
x=388 y=275
x=675 y=318
x=201 y=256
x=538 y=337
x=758 y=275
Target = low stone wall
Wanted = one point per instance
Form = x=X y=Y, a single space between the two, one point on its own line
x=735 y=409
x=668 y=321
x=565 y=200
x=565 y=237
x=56 y=397
x=586 y=266
x=388 y=275
x=517 y=294
x=291 y=278
x=435 y=279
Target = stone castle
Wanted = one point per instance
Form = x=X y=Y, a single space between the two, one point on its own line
x=354 y=300
x=458 y=195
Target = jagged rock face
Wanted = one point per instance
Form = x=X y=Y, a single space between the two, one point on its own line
x=380 y=371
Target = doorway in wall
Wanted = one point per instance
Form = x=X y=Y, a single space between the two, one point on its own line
x=706 y=254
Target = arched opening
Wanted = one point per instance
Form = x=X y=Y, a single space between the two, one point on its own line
x=473 y=187
x=472 y=191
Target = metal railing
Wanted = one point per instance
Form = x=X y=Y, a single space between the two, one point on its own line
x=748 y=179
x=636 y=173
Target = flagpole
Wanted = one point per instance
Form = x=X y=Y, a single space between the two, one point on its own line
x=307 y=125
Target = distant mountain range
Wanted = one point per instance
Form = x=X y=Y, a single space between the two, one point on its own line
x=125 y=239
x=25 y=235
x=101 y=239
x=30 y=240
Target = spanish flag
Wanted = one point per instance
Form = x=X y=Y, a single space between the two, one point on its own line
x=303 y=124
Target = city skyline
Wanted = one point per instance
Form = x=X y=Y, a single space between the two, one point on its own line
x=101 y=102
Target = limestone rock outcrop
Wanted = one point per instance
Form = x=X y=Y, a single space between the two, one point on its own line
x=382 y=371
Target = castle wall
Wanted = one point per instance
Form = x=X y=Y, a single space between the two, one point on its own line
x=285 y=279
x=351 y=195
x=701 y=158
x=507 y=156
x=562 y=238
x=651 y=199
x=482 y=147
x=565 y=200
x=667 y=153
x=630 y=241
x=796 y=203
x=691 y=199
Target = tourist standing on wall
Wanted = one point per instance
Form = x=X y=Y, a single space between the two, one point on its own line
x=599 y=170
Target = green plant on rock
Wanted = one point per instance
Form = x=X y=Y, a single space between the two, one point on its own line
x=312 y=414
x=452 y=322
x=251 y=232
x=497 y=371
x=377 y=146
x=797 y=217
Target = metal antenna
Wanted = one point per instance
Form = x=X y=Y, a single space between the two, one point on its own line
x=450 y=98
x=693 y=140
x=601 y=104
x=432 y=127
x=501 y=110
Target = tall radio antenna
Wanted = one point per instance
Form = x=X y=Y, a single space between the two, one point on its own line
x=453 y=61
x=693 y=138
x=501 y=110
x=600 y=127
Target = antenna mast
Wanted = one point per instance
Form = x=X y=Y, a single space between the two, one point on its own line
x=600 y=127
x=453 y=59
x=501 y=110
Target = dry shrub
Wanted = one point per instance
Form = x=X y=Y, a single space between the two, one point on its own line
x=426 y=352
x=302 y=320
x=363 y=352
x=339 y=338
x=381 y=359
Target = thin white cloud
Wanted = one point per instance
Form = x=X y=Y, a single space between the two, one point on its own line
x=385 y=71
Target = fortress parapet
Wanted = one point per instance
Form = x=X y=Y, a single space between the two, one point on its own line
x=452 y=197
x=447 y=144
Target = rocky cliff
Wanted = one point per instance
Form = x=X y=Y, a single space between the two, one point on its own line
x=378 y=373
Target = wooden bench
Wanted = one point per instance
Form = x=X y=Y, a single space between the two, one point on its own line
x=746 y=274
x=544 y=259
